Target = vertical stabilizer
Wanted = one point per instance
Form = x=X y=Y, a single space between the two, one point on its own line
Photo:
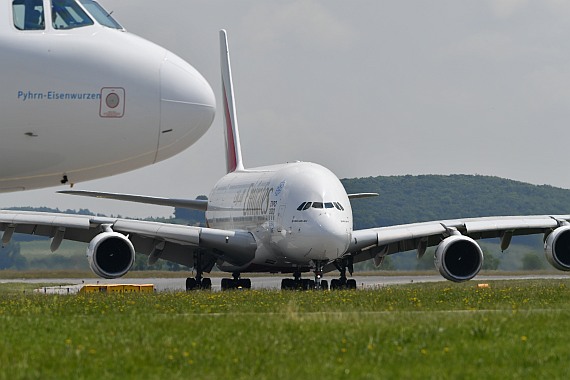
x=233 y=149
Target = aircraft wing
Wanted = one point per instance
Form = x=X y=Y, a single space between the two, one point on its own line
x=172 y=242
x=196 y=204
x=362 y=195
x=375 y=243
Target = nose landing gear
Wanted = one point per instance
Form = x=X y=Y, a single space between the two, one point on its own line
x=236 y=282
x=306 y=284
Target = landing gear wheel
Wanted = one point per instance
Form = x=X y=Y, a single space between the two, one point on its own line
x=194 y=284
x=287 y=284
x=191 y=284
x=236 y=283
x=324 y=285
x=335 y=284
x=227 y=283
x=206 y=284
x=244 y=283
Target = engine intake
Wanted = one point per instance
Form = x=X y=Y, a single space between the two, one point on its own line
x=110 y=255
x=458 y=258
x=557 y=248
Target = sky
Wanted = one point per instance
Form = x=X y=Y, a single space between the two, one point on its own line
x=365 y=88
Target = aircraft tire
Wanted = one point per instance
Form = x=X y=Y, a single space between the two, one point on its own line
x=206 y=284
x=191 y=284
x=335 y=284
x=305 y=284
x=227 y=283
x=287 y=284
x=244 y=283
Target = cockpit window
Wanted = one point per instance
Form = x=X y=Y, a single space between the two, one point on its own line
x=28 y=14
x=100 y=14
x=67 y=14
x=307 y=205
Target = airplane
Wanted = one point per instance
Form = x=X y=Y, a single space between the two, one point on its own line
x=82 y=98
x=289 y=218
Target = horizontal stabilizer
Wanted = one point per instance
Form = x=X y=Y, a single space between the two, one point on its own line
x=195 y=204
x=362 y=195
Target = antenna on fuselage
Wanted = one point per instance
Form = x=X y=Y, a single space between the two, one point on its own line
x=233 y=149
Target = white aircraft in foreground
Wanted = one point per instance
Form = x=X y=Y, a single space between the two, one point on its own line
x=81 y=98
x=289 y=218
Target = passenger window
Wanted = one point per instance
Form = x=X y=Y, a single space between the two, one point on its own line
x=67 y=14
x=28 y=14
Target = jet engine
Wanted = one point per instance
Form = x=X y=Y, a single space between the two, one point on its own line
x=557 y=248
x=458 y=258
x=110 y=255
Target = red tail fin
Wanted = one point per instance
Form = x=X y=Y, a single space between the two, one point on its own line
x=233 y=149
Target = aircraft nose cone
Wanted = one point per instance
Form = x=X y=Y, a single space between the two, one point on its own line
x=330 y=238
x=187 y=103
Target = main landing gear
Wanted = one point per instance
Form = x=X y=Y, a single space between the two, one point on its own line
x=198 y=283
x=236 y=282
x=343 y=283
x=201 y=265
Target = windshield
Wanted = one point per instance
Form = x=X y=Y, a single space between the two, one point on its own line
x=67 y=14
x=100 y=14
x=28 y=14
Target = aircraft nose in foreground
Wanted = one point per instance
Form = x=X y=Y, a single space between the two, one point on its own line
x=187 y=106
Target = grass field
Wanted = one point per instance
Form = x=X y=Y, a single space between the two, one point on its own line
x=511 y=329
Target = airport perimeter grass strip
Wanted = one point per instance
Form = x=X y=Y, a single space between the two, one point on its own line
x=511 y=329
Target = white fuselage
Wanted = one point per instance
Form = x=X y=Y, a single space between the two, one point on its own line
x=90 y=102
x=267 y=202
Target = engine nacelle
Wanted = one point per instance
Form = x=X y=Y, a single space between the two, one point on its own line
x=557 y=248
x=110 y=255
x=458 y=258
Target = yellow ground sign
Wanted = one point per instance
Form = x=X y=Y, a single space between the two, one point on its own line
x=118 y=288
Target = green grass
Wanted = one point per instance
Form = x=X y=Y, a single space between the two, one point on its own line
x=512 y=329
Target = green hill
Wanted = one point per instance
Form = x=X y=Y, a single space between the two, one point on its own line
x=408 y=199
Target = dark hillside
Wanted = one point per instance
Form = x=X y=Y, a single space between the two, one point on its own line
x=408 y=199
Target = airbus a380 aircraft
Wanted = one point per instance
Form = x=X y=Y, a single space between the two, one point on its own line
x=288 y=218
x=81 y=98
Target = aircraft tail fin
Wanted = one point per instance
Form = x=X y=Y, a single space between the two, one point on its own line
x=233 y=149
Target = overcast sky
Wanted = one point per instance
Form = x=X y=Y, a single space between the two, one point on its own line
x=365 y=88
